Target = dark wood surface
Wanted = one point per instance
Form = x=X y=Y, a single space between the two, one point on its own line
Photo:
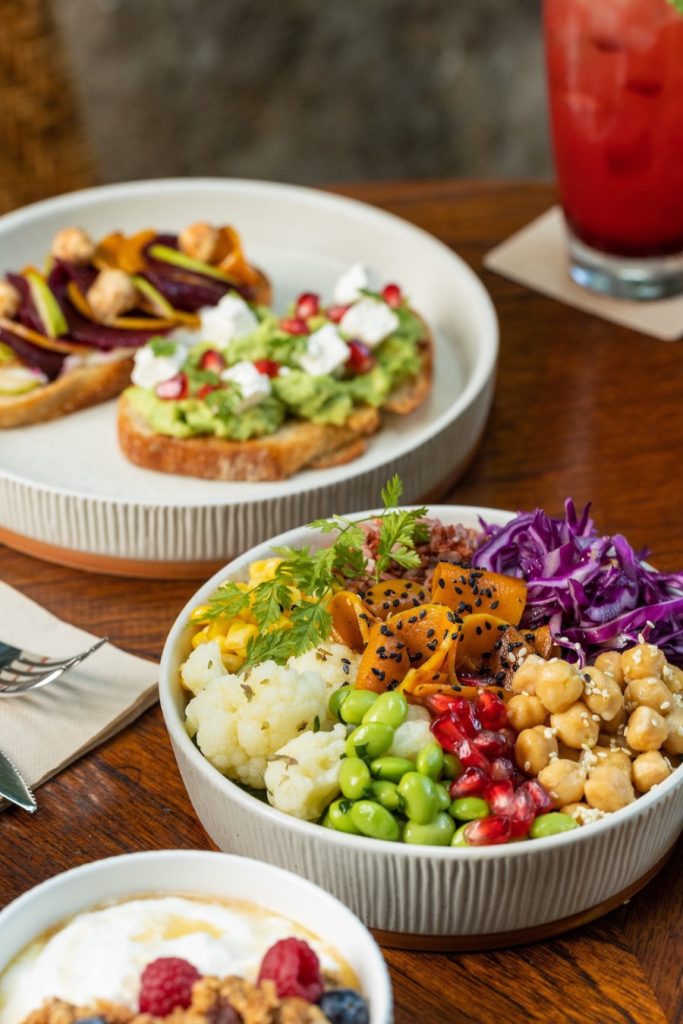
x=582 y=408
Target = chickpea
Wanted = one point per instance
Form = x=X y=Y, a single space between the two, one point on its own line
x=646 y=729
x=581 y=812
x=10 y=299
x=525 y=712
x=534 y=747
x=642 y=660
x=111 y=294
x=73 y=245
x=598 y=757
x=673 y=744
x=558 y=685
x=673 y=677
x=601 y=694
x=649 y=769
x=200 y=241
x=611 y=728
x=524 y=678
x=609 y=789
x=650 y=692
x=564 y=781
x=609 y=662
x=576 y=726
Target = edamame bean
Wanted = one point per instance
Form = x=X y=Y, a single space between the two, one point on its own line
x=338 y=816
x=430 y=760
x=469 y=808
x=386 y=794
x=451 y=766
x=390 y=707
x=444 y=797
x=374 y=821
x=420 y=798
x=354 y=778
x=438 y=832
x=369 y=740
x=355 y=705
x=459 y=838
x=337 y=699
x=551 y=825
x=391 y=767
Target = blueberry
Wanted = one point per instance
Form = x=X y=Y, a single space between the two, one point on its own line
x=344 y=1006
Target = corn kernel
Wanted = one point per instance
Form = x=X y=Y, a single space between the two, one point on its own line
x=263 y=570
x=201 y=637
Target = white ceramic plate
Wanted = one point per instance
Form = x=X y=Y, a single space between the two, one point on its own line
x=203 y=873
x=65 y=486
x=427 y=897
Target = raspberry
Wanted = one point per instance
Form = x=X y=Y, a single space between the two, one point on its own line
x=294 y=968
x=165 y=984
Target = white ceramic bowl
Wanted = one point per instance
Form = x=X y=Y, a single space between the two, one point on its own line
x=67 y=492
x=430 y=896
x=204 y=873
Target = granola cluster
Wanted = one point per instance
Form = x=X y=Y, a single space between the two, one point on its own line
x=230 y=1000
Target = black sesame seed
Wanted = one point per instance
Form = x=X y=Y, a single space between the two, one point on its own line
x=442 y=583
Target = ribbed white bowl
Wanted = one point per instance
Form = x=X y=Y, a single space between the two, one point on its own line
x=204 y=873
x=424 y=891
x=66 y=484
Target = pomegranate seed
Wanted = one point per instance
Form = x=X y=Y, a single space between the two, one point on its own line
x=307 y=305
x=294 y=325
x=335 y=313
x=176 y=387
x=267 y=366
x=206 y=389
x=463 y=711
x=440 y=703
x=491 y=710
x=522 y=813
x=492 y=744
x=470 y=757
x=391 y=293
x=502 y=768
x=361 y=359
x=472 y=782
x=488 y=831
x=500 y=795
x=540 y=797
x=212 y=360
x=448 y=732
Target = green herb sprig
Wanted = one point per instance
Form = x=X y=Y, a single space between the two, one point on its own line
x=316 y=574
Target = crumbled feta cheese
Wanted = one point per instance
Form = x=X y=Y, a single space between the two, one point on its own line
x=349 y=286
x=150 y=369
x=369 y=320
x=228 y=320
x=254 y=386
x=326 y=350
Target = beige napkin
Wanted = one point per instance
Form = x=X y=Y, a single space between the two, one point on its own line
x=46 y=730
x=537 y=257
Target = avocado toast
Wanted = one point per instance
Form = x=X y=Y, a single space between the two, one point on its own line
x=254 y=397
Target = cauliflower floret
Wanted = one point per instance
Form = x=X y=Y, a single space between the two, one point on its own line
x=336 y=663
x=239 y=722
x=204 y=664
x=413 y=735
x=303 y=777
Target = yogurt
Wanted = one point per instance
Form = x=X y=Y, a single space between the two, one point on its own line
x=100 y=954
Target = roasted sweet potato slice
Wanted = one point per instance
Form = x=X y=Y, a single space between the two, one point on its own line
x=470 y=591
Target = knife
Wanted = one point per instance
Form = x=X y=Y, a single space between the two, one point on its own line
x=13 y=787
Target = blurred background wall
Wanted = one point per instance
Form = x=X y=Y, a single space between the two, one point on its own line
x=308 y=90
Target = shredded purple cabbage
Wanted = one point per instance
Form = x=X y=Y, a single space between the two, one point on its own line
x=595 y=593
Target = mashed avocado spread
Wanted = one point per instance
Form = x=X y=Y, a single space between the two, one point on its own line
x=248 y=386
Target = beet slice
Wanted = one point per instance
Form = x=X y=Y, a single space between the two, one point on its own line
x=33 y=355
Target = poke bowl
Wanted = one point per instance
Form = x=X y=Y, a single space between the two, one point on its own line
x=454 y=876
x=86 y=944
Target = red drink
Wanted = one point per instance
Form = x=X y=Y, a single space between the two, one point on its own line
x=615 y=71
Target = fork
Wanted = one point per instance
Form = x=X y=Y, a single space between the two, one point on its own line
x=21 y=671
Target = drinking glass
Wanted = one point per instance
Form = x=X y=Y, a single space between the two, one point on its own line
x=615 y=79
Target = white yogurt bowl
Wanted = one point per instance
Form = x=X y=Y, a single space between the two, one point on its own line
x=427 y=897
x=204 y=874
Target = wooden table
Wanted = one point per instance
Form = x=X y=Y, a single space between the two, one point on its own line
x=582 y=408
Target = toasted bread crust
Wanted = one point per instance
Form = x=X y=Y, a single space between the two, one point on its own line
x=77 y=389
x=277 y=456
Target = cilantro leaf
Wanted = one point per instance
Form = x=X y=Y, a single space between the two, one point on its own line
x=161 y=346
x=392 y=491
x=271 y=598
x=229 y=600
